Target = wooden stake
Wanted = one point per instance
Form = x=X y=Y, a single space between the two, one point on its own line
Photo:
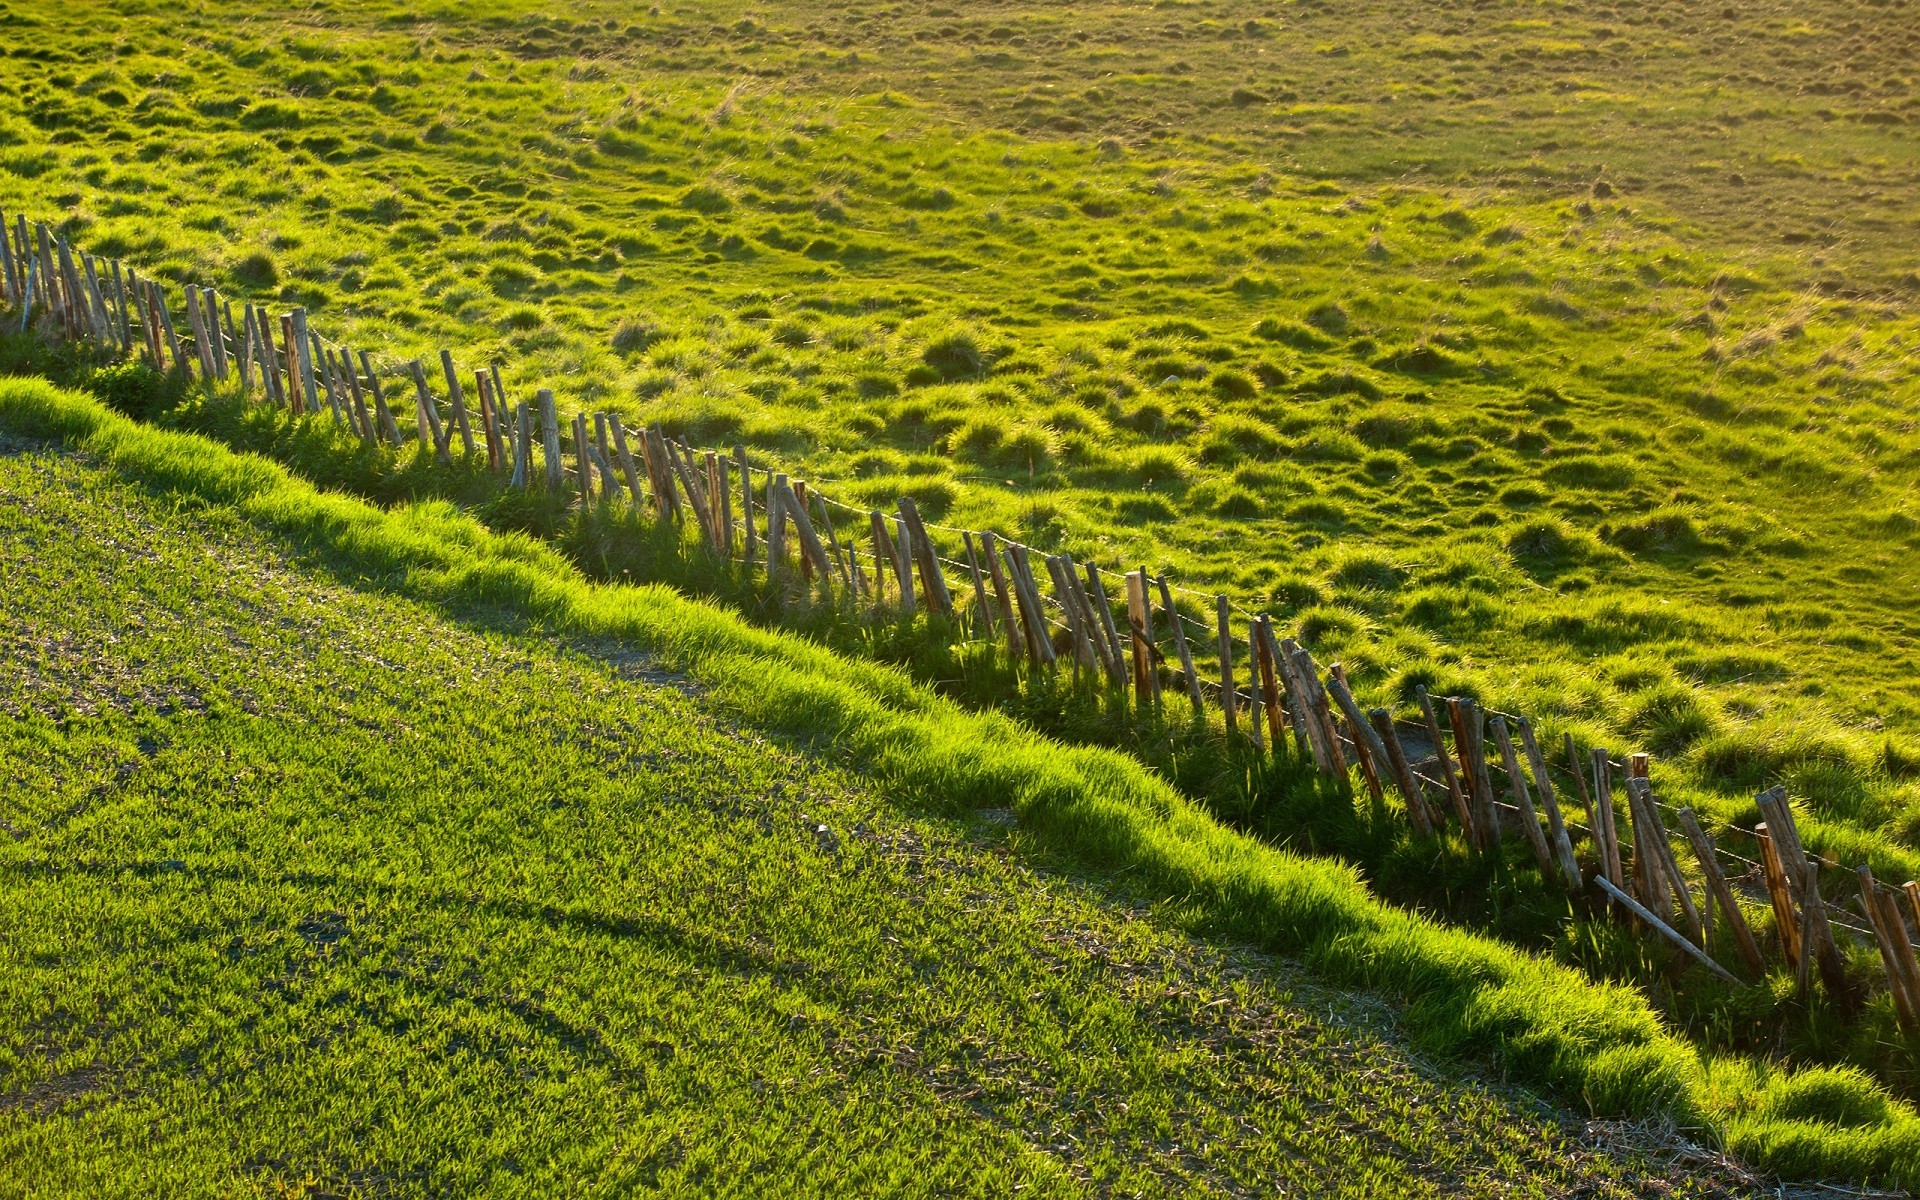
x=1665 y=930
x=1404 y=778
x=219 y=344
x=1060 y=569
x=1361 y=753
x=982 y=608
x=490 y=421
x=522 y=448
x=549 y=439
x=1367 y=741
x=1256 y=688
x=1187 y=673
x=369 y=431
x=1785 y=922
x=1556 y=825
x=1600 y=812
x=582 y=464
x=903 y=555
x=1793 y=852
x=810 y=546
x=1228 y=697
x=884 y=558
x=749 y=537
x=1660 y=847
x=1717 y=885
x=1032 y=613
x=459 y=402
x=1517 y=785
x=381 y=412
x=776 y=527
x=603 y=456
x=1319 y=711
x=1002 y=601
x=1103 y=610
x=304 y=356
x=716 y=498
x=724 y=480
x=1155 y=659
x=933 y=583
x=1452 y=779
x=1906 y=1005
x=427 y=413
x=1273 y=689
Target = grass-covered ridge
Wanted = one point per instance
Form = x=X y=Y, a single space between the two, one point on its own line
x=1558 y=449
x=1466 y=994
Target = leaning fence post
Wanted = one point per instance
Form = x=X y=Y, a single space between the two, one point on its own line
x=1736 y=920
x=1562 y=844
x=1461 y=809
x=1899 y=984
x=1187 y=673
x=1517 y=784
x=459 y=402
x=1404 y=779
x=989 y=546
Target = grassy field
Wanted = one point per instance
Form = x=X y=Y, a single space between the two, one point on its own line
x=1636 y=459
x=1561 y=356
x=314 y=891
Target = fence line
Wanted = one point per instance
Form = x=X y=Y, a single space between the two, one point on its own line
x=106 y=303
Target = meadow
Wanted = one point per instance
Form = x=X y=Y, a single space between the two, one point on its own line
x=1639 y=467
x=1561 y=357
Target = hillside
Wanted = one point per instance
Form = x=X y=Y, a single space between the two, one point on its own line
x=313 y=890
x=1554 y=363
x=1635 y=457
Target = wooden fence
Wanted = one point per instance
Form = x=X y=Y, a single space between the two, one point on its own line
x=1453 y=763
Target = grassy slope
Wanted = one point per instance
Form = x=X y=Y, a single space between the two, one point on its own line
x=1466 y=993
x=1648 y=481
x=314 y=890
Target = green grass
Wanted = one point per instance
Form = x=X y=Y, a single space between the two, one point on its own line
x=1318 y=305
x=313 y=889
x=1465 y=994
x=1644 y=479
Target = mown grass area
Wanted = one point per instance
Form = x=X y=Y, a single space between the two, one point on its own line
x=1099 y=809
x=1644 y=479
x=313 y=889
